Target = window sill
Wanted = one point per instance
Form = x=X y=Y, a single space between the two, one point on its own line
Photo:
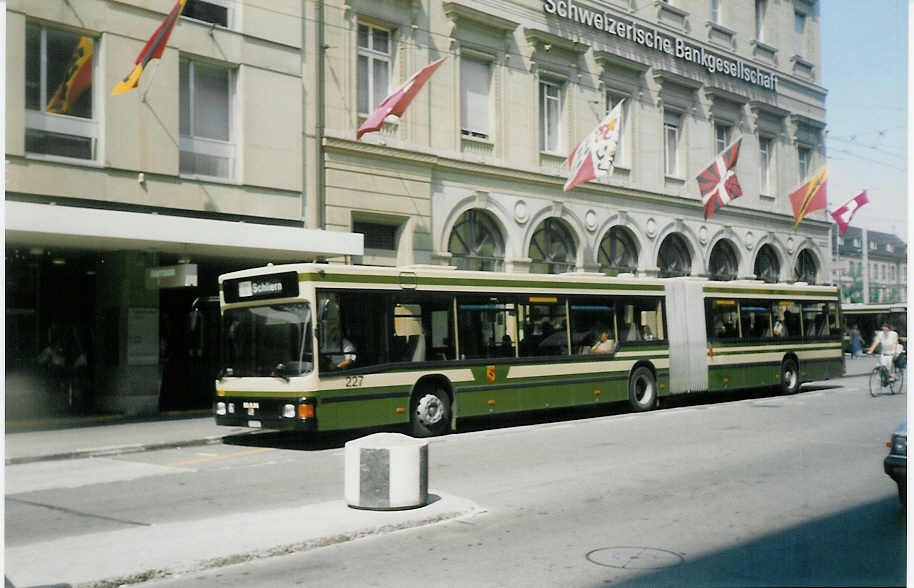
x=93 y=163
x=674 y=179
x=767 y=196
x=210 y=179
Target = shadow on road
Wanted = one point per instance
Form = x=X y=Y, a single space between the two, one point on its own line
x=861 y=546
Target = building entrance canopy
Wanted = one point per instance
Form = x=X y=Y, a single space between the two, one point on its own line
x=69 y=226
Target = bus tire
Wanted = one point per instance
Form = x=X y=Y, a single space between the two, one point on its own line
x=642 y=389
x=430 y=412
x=790 y=376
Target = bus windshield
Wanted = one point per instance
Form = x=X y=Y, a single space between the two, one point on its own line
x=269 y=341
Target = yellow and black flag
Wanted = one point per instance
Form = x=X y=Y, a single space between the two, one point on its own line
x=77 y=79
x=153 y=49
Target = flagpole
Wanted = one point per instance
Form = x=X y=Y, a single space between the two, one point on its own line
x=151 y=79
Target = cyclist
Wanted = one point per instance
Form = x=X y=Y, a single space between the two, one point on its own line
x=887 y=341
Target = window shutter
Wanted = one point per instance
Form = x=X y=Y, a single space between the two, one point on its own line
x=475 y=79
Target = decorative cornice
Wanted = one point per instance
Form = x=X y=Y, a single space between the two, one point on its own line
x=606 y=59
x=443 y=162
x=456 y=11
x=546 y=41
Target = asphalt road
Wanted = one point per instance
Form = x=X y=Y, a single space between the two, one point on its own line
x=743 y=490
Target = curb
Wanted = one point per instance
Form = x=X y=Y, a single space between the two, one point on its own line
x=113 y=450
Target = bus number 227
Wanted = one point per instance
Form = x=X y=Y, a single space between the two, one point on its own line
x=354 y=381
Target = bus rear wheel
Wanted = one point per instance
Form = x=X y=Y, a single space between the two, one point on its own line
x=430 y=413
x=790 y=377
x=642 y=389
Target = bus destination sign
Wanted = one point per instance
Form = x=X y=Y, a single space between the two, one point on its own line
x=282 y=285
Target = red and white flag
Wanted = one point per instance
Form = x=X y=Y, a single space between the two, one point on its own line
x=593 y=157
x=718 y=183
x=844 y=214
x=396 y=103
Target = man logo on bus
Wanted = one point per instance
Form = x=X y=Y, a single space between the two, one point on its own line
x=490 y=373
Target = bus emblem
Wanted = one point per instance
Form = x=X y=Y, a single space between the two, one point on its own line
x=490 y=373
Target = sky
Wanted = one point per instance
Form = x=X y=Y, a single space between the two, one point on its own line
x=864 y=69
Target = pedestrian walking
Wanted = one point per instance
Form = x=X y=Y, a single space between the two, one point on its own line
x=856 y=342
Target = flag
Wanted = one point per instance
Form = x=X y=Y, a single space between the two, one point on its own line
x=594 y=155
x=399 y=99
x=718 y=184
x=809 y=197
x=844 y=214
x=77 y=78
x=153 y=49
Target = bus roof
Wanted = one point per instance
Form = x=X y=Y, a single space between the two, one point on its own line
x=432 y=277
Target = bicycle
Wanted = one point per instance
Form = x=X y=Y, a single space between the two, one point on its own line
x=888 y=381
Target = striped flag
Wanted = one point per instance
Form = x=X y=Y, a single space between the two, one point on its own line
x=78 y=77
x=396 y=103
x=593 y=157
x=718 y=183
x=844 y=214
x=809 y=197
x=153 y=49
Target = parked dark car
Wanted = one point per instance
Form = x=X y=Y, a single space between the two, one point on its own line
x=896 y=462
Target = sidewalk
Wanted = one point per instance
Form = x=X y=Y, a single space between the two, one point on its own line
x=142 y=553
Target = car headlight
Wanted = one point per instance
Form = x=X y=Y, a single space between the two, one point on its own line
x=900 y=445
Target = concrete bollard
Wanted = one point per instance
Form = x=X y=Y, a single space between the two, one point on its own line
x=386 y=471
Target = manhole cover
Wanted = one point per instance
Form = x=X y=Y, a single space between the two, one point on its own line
x=634 y=558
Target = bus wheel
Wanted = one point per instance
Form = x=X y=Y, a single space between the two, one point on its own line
x=790 y=377
x=642 y=389
x=431 y=413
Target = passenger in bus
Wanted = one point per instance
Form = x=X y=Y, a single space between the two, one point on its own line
x=648 y=334
x=779 y=329
x=604 y=345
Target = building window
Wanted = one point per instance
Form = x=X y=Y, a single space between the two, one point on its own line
x=672 y=122
x=552 y=248
x=767 y=267
x=476 y=242
x=550 y=116
x=618 y=252
x=611 y=101
x=674 y=258
x=60 y=117
x=764 y=145
x=806 y=269
x=891 y=273
x=723 y=263
x=761 y=6
x=715 y=11
x=373 y=68
x=475 y=82
x=799 y=29
x=721 y=137
x=376 y=235
x=803 y=154
x=207 y=136
x=212 y=11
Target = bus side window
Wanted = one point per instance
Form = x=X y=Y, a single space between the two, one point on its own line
x=542 y=326
x=755 y=319
x=488 y=327
x=724 y=319
x=590 y=317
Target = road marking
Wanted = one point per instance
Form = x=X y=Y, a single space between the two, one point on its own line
x=218 y=457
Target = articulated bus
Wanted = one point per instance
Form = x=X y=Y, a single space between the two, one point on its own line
x=869 y=319
x=320 y=347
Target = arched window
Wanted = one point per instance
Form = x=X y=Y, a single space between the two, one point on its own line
x=674 y=258
x=806 y=269
x=552 y=249
x=767 y=267
x=723 y=264
x=618 y=253
x=476 y=242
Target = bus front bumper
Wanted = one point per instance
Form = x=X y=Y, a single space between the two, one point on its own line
x=283 y=414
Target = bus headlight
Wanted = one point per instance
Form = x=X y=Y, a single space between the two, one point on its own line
x=231 y=407
x=288 y=411
x=220 y=408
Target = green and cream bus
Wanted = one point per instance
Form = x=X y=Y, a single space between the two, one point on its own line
x=327 y=347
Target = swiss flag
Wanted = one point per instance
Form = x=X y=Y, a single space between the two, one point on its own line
x=397 y=102
x=844 y=214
